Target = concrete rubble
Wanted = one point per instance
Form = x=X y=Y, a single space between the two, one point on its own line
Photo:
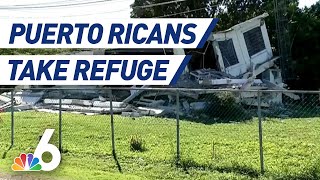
x=241 y=58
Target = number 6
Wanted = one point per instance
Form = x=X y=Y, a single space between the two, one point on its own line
x=43 y=147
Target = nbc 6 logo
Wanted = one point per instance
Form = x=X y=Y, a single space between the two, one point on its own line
x=34 y=162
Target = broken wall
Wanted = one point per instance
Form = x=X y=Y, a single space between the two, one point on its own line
x=243 y=46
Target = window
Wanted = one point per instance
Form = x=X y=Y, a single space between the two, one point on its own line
x=228 y=53
x=254 y=41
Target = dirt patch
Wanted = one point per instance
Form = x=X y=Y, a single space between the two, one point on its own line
x=19 y=177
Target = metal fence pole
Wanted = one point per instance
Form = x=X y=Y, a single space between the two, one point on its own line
x=60 y=121
x=260 y=133
x=12 y=118
x=112 y=126
x=178 y=126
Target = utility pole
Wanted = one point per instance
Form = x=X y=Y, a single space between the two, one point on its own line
x=283 y=37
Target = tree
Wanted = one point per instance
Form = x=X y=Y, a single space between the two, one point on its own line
x=304 y=26
x=237 y=11
x=174 y=10
x=306 y=48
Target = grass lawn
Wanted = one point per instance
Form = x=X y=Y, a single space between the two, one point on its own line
x=219 y=151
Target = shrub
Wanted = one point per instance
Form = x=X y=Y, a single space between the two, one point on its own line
x=137 y=143
x=222 y=107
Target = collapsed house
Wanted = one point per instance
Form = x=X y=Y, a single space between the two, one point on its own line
x=238 y=58
x=242 y=59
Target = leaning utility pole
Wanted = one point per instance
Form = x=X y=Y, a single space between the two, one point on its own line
x=283 y=37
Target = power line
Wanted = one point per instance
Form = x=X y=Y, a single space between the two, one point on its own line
x=44 y=3
x=146 y=6
x=82 y=3
x=100 y=1
x=57 y=2
x=156 y=17
x=185 y=12
x=158 y=4
x=105 y=12
x=53 y=6
x=78 y=15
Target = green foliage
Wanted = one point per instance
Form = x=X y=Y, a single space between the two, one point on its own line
x=137 y=143
x=304 y=28
x=173 y=8
x=220 y=107
x=306 y=48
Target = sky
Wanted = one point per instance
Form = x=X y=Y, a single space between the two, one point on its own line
x=307 y=3
x=111 y=9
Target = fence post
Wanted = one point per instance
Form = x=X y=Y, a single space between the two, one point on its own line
x=112 y=125
x=178 y=126
x=60 y=121
x=260 y=133
x=12 y=118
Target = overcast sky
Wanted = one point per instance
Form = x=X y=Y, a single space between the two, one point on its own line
x=114 y=9
x=307 y=3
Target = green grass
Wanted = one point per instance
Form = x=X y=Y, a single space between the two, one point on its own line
x=219 y=151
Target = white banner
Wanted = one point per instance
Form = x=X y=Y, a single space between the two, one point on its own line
x=92 y=70
x=105 y=33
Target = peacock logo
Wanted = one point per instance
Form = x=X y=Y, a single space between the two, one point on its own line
x=34 y=162
x=26 y=163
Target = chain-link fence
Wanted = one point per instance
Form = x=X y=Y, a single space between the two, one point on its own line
x=222 y=130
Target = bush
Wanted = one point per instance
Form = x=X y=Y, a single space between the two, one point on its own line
x=137 y=144
x=222 y=107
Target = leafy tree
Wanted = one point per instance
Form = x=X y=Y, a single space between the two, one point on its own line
x=304 y=26
x=306 y=48
x=174 y=10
